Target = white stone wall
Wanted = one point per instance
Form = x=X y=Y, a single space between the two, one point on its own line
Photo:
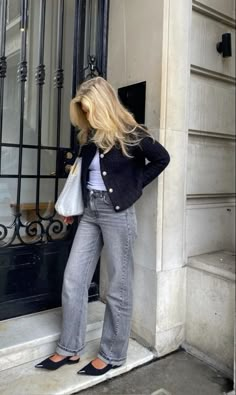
x=190 y=209
x=210 y=209
x=211 y=143
x=147 y=41
x=171 y=194
x=135 y=55
x=210 y=309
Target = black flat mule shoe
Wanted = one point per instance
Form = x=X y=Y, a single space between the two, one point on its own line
x=92 y=371
x=50 y=365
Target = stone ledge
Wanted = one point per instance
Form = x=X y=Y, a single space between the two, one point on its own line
x=27 y=380
x=32 y=336
x=220 y=263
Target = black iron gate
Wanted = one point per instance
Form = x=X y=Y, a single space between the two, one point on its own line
x=47 y=48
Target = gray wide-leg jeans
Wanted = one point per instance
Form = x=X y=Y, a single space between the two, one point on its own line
x=99 y=225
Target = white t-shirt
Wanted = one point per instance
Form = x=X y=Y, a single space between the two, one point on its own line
x=95 y=179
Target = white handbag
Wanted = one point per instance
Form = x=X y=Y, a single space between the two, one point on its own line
x=70 y=200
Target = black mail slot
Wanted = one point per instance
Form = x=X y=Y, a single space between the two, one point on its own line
x=133 y=98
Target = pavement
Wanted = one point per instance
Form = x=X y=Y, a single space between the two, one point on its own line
x=178 y=373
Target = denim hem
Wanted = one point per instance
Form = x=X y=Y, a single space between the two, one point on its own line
x=67 y=351
x=112 y=361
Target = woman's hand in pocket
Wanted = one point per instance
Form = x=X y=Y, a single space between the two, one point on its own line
x=68 y=220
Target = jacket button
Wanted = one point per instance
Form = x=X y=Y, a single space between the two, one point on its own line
x=117 y=207
x=110 y=190
x=102 y=156
x=104 y=173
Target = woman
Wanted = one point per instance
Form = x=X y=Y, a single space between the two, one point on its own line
x=113 y=149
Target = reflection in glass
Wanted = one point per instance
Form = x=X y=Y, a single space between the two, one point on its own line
x=9 y=160
x=13 y=10
x=29 y=161
x=48 y=162
x=11 y=104
x=47 y=187
x=7 y=199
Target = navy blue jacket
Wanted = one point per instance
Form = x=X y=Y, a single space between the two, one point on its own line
x=125 y=177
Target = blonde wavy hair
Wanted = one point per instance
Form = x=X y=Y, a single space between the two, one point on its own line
x=106 y=121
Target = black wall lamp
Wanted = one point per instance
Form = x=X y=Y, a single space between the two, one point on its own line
x=224 y=47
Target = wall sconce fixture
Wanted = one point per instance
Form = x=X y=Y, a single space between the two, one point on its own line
x=224 y=47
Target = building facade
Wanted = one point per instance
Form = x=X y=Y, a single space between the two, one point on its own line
x=185 y=252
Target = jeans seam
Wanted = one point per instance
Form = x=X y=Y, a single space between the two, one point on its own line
x=122 y=287
x=85 y=282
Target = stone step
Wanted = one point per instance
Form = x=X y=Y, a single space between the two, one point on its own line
x=219 y=263
x=210 y=293
x=27 y=380
x=33 y=336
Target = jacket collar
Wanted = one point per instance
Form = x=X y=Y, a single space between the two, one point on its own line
x=89 y=152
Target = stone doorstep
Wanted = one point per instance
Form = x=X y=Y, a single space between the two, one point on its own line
x=26 y=338
x=220 y=263
x=27 y=380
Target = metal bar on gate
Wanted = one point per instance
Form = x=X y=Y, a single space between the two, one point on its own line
x=46 y=147
x=78 y=55
x=22 y=77
x=45 y=176
x=80 y=41
x=104 y=36
x=89 y=19
x=40 y=79
x=76 y=26
x=3 y=62
x=59 y=79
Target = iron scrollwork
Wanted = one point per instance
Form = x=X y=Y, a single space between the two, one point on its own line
x=38 y=231
x=92 y=68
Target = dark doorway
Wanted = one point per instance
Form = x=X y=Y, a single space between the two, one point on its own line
x=133 y=98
